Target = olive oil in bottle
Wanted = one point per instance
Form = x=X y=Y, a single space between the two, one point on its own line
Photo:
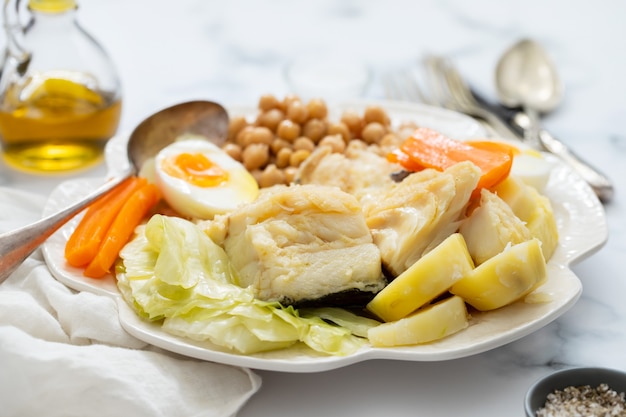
x=60 y=97
x=56 y=124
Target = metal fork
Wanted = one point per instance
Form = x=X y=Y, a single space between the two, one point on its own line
x=456 y=95
x=403 y=85
x=409 y=85
x=445 y=88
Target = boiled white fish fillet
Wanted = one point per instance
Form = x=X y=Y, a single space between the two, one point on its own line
x=413 y=216
x=358 y=171
x=303 y=242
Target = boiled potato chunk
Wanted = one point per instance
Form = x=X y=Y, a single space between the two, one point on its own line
x=426 y=325
x=505 y=278
x=542 y=224
x=534 y=209
x=430 y=276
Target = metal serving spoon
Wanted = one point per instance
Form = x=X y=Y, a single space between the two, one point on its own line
x=526 y=77
x=204 y=118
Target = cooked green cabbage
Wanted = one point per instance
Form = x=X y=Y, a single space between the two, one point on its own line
x=172 y=271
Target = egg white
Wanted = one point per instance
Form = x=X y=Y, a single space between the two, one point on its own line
x=532 y=168
x=204 y=202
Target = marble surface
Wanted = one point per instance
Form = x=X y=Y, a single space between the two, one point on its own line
x=235 y=51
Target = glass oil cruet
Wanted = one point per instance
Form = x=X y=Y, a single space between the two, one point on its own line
x=60 y=96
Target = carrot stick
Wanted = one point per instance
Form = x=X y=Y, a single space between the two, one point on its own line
x=84 y=242
x=122 y=228
x=427 y=148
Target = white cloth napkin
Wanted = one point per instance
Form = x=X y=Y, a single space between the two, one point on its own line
x=64 y=353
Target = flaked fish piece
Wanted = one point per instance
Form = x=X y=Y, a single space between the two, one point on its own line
x=358 y=171
x=299 y=243
x=413 y=216
x=491 y=228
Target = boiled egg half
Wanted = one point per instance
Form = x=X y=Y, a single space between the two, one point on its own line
x=199 y=180
x=533 y=168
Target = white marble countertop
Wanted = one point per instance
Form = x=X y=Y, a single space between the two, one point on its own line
x=233 y=52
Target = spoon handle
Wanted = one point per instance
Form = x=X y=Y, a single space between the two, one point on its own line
x=600 y=184
x=17 y=245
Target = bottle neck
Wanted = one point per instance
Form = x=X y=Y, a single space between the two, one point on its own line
x=51 y=6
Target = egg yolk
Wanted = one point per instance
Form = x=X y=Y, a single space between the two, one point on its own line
x=195 y=169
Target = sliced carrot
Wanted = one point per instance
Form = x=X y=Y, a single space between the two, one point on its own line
x=122 y=228
x=84 y=242
x=427 y=148
x=396 y=156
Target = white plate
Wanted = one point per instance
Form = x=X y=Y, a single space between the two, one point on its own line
x=581 y=223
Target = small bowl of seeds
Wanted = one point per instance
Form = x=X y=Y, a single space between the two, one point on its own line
x=578 y=392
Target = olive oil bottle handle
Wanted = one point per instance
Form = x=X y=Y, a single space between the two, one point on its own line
x=14 y=32
x=14 y=29
x=17 y=245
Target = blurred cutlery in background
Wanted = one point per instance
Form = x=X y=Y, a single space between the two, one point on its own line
x=456 y=95
x=438 y=83
x=435 y=82
x=527 y=77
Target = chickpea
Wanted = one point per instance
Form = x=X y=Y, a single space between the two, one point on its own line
x=408 y=125
x=373 y=132
x=255 y=156
x=406 y=129
x=235 y=125
x=244 y=137
x=283 y=157
x=303 y=143
x=270 y=119
x=335 y=142
x=314 y=129
x=354 y=122
x=375 y=114
x=339 y=129
x=287 y=100
x=261 y=134
x=288 y=130
x=278 y=144
x=268 y=102
x=297 y=112
x=390 y=141
x=298 y=157
x=317 y=108
x=256 y=174
x=233 y=150
x=290 y=174
x=271 y=176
